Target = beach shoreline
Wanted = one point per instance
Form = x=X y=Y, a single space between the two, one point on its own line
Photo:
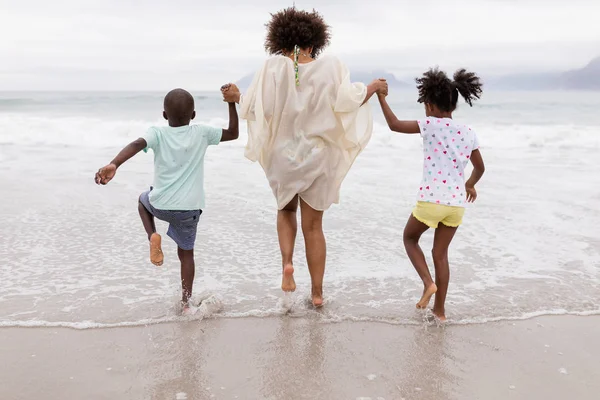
x=548 y=357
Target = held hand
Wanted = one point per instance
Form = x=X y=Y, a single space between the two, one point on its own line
x=383 y=92
x=381 y=86
x=105 y=174
x=231 y=93
x=471 y=193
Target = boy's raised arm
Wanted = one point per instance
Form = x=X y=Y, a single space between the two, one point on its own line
x=393 y=122
x=233 y=131
x=107 y=173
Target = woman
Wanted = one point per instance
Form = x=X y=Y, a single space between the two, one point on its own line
x=307 y=123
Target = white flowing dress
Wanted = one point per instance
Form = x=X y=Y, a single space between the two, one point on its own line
x=306 y=137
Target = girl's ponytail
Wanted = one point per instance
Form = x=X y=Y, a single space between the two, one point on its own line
x=468 y=85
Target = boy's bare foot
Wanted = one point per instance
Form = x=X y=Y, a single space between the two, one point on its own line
x=187 y=310
x=427 y=293
x=156 y=254
x=287 y=280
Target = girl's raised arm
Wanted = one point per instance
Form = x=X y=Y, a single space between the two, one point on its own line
x=393 y=122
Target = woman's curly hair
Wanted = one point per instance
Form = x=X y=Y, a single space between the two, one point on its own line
x=292 y=27
x=436 y=88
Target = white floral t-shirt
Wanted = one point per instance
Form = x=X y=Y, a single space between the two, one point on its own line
x=447 y=147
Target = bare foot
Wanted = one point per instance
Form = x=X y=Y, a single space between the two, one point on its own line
x=287 y=280
x=317 y=298
x=188 y=310
x=440 y=316
x=156 y=254
x=427 y=293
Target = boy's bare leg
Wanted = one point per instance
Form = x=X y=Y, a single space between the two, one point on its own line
x=287 y=226
x=316 y=249
x=156 y=254
x=188 y=270
x=441 y=241
x=412 y=233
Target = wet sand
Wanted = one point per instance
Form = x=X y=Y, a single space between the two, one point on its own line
x=294 y=358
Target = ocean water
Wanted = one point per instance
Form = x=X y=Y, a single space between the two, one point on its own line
x=75 y=254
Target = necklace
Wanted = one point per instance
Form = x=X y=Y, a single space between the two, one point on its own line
x=301 y=54
x=297 y=53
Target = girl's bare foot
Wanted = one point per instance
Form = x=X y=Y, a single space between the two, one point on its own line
x=440 y=316
x=156 y=254
x=427 y=293
x=287 y=279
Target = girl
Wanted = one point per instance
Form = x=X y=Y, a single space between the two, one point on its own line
x=447 y=148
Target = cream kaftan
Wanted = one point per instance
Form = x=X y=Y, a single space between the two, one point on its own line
x=306 y=137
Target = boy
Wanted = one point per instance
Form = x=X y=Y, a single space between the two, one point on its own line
x=178 y=193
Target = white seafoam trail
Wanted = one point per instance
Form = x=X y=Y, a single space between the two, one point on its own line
x=75 y=254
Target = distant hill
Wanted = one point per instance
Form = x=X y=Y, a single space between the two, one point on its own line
x=586 y=78
x=356 y=76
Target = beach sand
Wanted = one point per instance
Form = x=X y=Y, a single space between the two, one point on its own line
x=300 y=358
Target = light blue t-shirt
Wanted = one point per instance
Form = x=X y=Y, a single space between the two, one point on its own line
x=179 y=165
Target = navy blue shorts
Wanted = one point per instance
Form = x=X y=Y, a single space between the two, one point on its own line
x=183 y=225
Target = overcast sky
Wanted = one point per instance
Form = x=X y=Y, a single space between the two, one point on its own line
x=200 y=44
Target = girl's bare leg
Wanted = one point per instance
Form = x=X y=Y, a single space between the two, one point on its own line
x=412 y=233
x=441 y=242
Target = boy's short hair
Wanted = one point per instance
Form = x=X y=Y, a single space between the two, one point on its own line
x=179 y=104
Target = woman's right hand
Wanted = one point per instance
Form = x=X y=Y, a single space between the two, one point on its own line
x=231 y=93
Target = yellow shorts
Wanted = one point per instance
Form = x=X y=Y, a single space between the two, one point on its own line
x=432 y=214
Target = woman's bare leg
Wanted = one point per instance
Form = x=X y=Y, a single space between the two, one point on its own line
x=441 y=241
x=412 y=233
x=287 y=226
x=316 y=249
